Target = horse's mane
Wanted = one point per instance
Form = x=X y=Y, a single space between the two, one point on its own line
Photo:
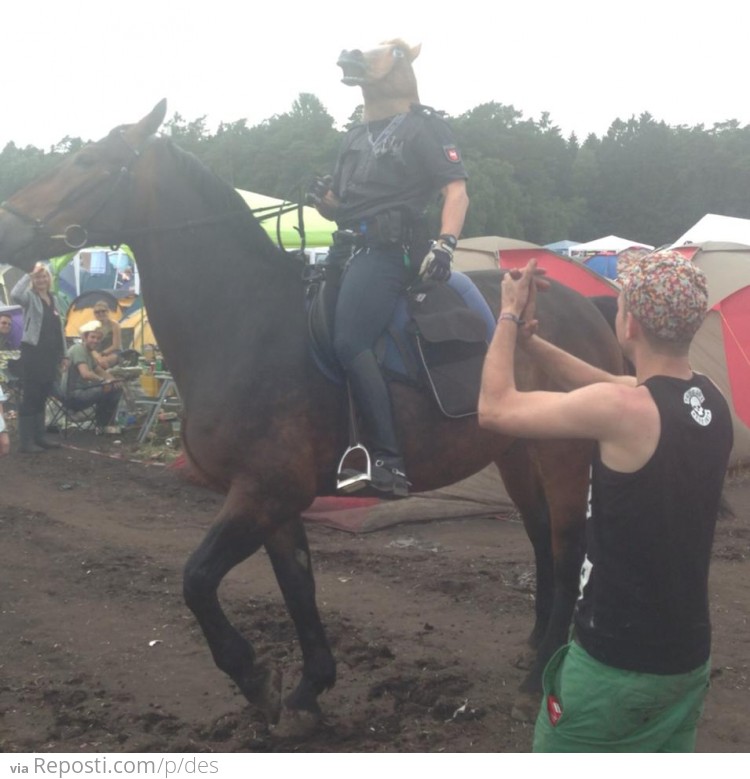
x=224 y=199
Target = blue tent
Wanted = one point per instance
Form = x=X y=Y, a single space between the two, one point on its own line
x=603 y=264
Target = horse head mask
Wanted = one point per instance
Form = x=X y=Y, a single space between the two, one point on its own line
x=385 y=75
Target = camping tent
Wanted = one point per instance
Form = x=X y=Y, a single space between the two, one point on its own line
x=713 y=227
x=561 y=247
x=609 y=244
x=483 y=253
x=317 y=229
x=81 y=310
x=493 y=251
x=603 y=264
x=721 y=348
x=142 y=334
x=567 y=271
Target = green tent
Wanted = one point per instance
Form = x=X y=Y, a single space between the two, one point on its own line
x=317 y=229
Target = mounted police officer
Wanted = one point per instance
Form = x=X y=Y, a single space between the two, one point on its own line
x=388 y=171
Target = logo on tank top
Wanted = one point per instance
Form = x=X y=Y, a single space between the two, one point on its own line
x=694 y=398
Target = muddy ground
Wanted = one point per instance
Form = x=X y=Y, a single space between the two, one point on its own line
x=98 y=652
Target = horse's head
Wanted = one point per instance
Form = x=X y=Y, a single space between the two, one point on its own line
x=386 y=76
x=82 y=201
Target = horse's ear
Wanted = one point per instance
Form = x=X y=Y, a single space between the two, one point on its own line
x=414 y=52
x=152 y=121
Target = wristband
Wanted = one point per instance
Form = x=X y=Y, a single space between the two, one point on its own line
x=2 y=423
x=512 y=318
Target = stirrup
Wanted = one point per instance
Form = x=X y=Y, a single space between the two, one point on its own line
x=348 y=480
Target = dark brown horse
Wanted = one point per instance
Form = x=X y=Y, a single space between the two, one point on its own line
x=261 y=422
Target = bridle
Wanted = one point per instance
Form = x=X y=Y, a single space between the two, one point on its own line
x=77 y=236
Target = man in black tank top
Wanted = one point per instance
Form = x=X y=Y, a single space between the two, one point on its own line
x=635 y=675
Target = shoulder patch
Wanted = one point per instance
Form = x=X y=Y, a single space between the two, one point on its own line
x=452 y=153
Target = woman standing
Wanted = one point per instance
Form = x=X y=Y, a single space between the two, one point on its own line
x=42 y=350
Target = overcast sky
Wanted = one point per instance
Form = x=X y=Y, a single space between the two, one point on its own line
x=80 y=67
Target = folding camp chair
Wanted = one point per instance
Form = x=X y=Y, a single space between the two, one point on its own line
x=60 y=418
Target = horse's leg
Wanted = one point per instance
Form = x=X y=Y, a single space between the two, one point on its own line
x=564 y=469
x=524 y=488
x=236 y=534
x=290 y=556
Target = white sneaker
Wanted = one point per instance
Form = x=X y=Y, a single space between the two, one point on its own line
x=109 y=430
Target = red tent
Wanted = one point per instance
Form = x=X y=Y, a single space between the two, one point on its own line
x=567 y=271
x=722 y=346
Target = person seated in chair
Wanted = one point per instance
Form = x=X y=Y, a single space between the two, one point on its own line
x=89 y=384
x=110 y=348
x=6 y=325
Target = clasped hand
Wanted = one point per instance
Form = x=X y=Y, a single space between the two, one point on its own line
x=519 y=290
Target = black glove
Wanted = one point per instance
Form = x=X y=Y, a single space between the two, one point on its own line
x=317 y=190
x=437 y=262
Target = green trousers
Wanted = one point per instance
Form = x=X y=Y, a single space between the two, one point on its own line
x=592 y=707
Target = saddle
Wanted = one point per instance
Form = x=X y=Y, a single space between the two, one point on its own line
x=437 y=338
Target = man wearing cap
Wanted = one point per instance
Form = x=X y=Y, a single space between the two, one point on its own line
x=636 y=672
x=88 y=383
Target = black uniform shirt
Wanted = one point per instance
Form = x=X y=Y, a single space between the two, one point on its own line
x=398 y=163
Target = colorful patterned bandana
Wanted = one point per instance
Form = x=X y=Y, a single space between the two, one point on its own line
x=666 y=293
x=631 y=254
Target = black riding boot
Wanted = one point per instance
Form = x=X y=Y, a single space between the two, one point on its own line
x=26 y=433
x=40 y=428
x=373 y=401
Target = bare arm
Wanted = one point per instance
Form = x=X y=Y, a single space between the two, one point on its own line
x=116 y=339
x=455 y=206
x=567 y=370
x=88 y=375
x=585 y=413
x=602 y=411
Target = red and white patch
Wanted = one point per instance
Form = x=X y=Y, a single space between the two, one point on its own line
x=554 y=710
x=452 y=153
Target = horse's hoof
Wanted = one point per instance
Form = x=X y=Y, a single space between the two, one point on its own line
x=525 y=660
x=265 y=691
x=296 y=723
x=526 y=707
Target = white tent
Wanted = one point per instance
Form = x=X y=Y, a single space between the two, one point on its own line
x=607 y=244
x=713 y=227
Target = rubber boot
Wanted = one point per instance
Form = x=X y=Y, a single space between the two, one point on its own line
x=26 y=434
x=40 y=428
x=373 y=401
